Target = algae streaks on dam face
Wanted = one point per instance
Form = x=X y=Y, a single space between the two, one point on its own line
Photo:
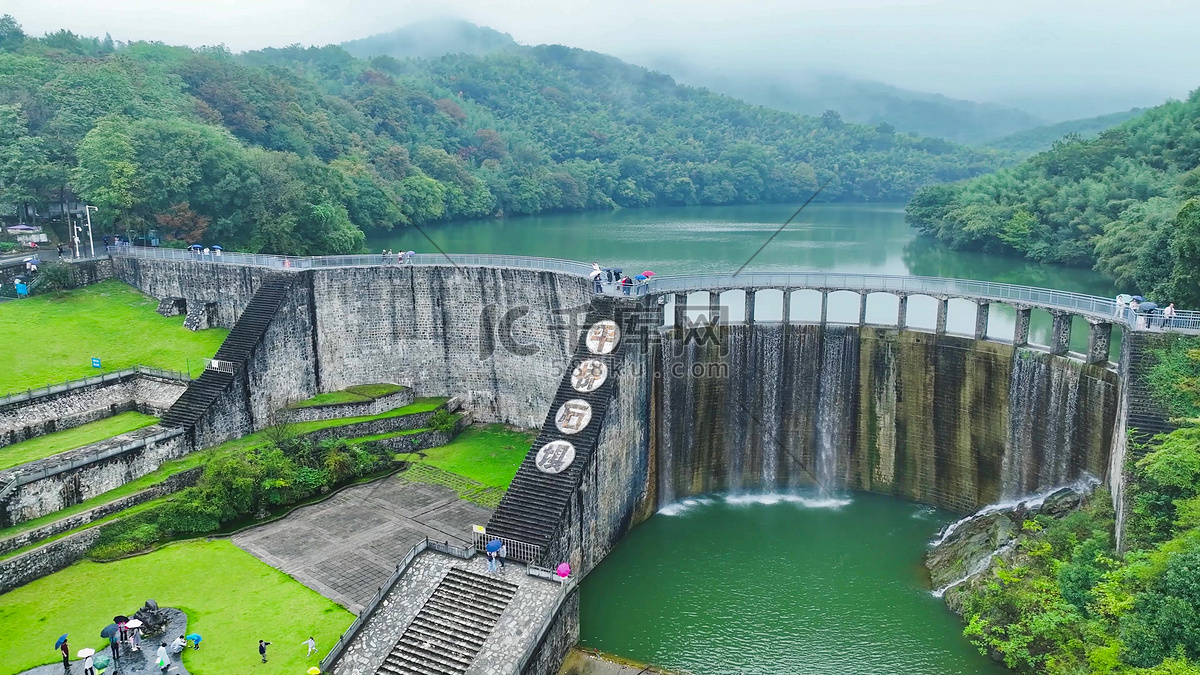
x=943 y=420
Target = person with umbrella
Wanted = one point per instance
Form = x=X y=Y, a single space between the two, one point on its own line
x=110 y=632
x=89 y=666
x=62 y=645
x=493 y=554
x=134 y=628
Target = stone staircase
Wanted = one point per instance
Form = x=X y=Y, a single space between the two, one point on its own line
x=451 y=626
x=236 y=349
x=534 y=505
x=1146 y=416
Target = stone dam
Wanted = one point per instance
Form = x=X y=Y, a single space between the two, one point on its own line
x=639 y=404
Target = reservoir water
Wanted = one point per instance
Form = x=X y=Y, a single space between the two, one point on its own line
x=764 y=586
x=853 y=238
x=774 y=585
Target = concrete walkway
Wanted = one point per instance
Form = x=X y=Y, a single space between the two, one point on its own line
x=346 y=547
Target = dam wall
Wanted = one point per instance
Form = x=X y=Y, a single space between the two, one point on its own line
x=939 y=419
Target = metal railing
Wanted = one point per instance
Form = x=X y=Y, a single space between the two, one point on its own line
x=517 y=550
x=369 y=609
x=281 y=262
x=24 y=478
x=551 y=617
x=220 y=366
x=70 y=385
x=1076 y=303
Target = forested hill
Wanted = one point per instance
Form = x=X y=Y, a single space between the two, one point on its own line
x=1127 y=202
x=1042 y=138
x=303 y=150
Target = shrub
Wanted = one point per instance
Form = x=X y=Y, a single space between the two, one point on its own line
x=442 y=421
x=57 y=276
x=7 y=246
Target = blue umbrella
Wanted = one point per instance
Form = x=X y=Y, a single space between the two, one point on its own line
x=195 y=247
x=1139 y=298
x=216 y=248
x=494 y=545
x=110 y=631
x=61 y=639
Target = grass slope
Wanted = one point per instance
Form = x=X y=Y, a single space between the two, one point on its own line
x=52 y=338
x=62 y=441
x=231 y=599
x=490 y=454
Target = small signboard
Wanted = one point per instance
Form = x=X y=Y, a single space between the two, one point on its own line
x=95 y=362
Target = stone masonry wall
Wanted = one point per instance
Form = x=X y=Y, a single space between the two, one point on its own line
x=173 y=483
x=228 y=287
x=47 y=559
x=329 y=412
x=69 y=409
x=50 y=494
x=439 y=331
x=562 y=635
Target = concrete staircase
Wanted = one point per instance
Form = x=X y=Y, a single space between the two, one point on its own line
x=451 y=626
x=534 y=505
x=236 y=349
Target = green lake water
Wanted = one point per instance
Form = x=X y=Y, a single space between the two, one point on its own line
x=770 y=585
x=854 y=238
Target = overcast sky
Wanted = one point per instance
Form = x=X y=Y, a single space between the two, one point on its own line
x=999 y=50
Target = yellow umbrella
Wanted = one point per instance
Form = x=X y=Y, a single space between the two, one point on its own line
x=314 y=671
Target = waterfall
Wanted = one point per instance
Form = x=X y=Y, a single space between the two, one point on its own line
x=1031 y=503
x=1043 y=400
x=833 y=399
x=979 y=567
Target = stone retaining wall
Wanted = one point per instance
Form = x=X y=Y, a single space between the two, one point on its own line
x=563 y=634
x=47 y=559
x=52 y=493
x=173 y=483
x=68 y=409
x=379 y=405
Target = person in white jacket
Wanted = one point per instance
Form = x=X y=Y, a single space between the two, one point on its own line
x=163 y=658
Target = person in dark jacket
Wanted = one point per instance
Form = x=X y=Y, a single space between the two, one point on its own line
x=262 y=649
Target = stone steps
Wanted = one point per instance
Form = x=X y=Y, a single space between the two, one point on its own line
x=446 y=634
x=237 y=348
x=535 y=502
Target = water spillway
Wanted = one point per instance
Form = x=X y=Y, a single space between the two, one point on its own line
x=940 y=419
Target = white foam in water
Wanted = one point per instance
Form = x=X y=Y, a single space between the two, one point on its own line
x=683 y=506
x=1082 y=486
x=777 y=498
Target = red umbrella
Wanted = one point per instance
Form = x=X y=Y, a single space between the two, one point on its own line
x=648 y=273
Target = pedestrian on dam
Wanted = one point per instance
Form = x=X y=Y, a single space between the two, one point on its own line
x=311 y=644
x=262 y=649
x=491 y=562
x=66 y=652
x=162 y=658
x=501 y=555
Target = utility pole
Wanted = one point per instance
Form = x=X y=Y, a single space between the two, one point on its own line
x=91 y=242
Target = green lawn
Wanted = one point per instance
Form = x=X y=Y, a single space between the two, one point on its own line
x=374 y=390
x=62 y=441
x=52 y=338
x=231 y=599
x=490 y=454
x=360 y=393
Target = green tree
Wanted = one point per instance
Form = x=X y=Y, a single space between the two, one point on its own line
x=1185 y=255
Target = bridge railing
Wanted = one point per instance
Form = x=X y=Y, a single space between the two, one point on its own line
x=92 y=380
x=1077 y=303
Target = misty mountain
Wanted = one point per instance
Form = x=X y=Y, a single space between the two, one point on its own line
x=430 y=39
x=865 y=102
x=1042 y=138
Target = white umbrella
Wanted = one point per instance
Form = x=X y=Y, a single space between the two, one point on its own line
x=133 y=623
x=84 y=653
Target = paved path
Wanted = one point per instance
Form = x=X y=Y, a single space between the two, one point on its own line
x=132 y=663
x=346 y=547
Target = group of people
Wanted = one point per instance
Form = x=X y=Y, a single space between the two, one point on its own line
x=613 y=275
x=1148 y=315
x=401 y=257
x=162 y=657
